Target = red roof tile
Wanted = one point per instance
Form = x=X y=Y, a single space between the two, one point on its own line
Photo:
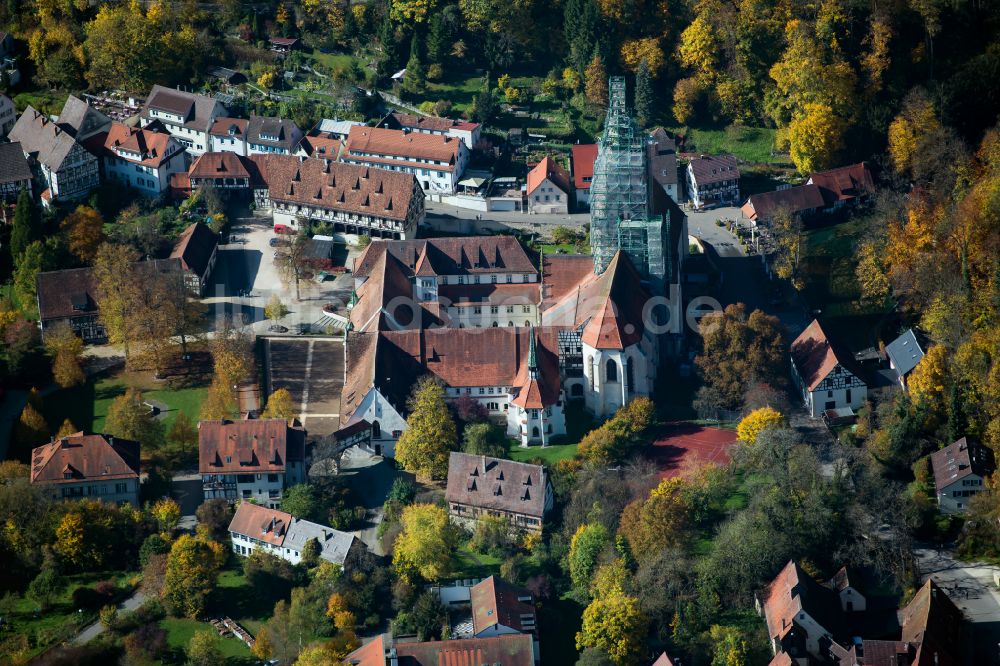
x=549 y=169
x=497 y=602
x=79 y=457
x=960 y=459
x=815 y=356
x=261 y=523
x=493 y=483
x=248 y=446
x=584 y=156
x=844 y=183
x=364 y=143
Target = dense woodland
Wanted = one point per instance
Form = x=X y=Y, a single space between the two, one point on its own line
x=630 y=565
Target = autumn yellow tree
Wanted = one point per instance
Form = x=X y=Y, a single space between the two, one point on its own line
x=430 y=431
x=84 y=229
x=634 y=51
x=917 y=120
x=167 y=513
x=192 y=568
x=416 y=11
x=757 y=422
x=699 y=49
x=64 y=347
x=687 y=93
x=929 y=379
x=614 y=623
x=66 y=429
x=659 y=521
x=426 y=543
x=279 y=406
x=596 y=82
x=817 y=137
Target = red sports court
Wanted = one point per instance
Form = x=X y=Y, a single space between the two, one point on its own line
x=686 y=446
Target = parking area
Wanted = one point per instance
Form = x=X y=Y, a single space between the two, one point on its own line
x=312 y=369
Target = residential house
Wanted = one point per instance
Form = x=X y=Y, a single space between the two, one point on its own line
x=82 y=120
x=960 y=470
x=284 y=44
x=70 y=296
x=463 y=130
x=548 y=188
x=319 y=147
x=510 y=650
x=197 y=249
x=8 y=59
x=227 y=172
x=141 y=159
x=278 y=136
x=436 y=161
x=665 y=660
x=500 y=608
x=281 y=534
x=226 y=75
x=904 y=353
x=713 y=180
x=582 y=164
x=481 y=486
x=844 y=186
x=826 y=374
x=932 y=623
x=8 y=115
x=250 y=459
x=228 y=135
x=851 y=597
x=334 y=128
x=88 y=466
x=188 y=116
x=802 y=201
x=663 y=161
x=15 y=174
x=64 y=169
x=354 y=200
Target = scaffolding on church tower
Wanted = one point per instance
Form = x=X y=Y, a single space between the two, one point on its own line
x=619 y=194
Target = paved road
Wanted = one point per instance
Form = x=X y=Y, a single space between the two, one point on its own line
x=971 y=587
x=96 y=629
x=371 y=477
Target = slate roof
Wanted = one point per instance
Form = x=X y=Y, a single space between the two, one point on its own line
x=844 y=183
x=196 y=109
x=797 y=199
x=495 y=601
x=959 y=460
x=284 y=129
x=369 y=143
x=81 y=457
x=663 y=157
x=346 y=187
x=41 y=138
x=334 y=544
x=66 y=293
x=195 y=247
x=334 y=126
x=550 y=169
x=815 y=356
x=714 y=168
x=509 y=650
x=584 y=156
x=497 y=484
x=13 y=164
x=249 y=446
x=904 y=352
x=82 y=120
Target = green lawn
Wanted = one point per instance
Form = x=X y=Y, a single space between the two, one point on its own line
x=44 y=100
x=472 y=564
x=549 y=455
x=87 y=405
x=460 y=91
x=180 y=630
x=752 y=144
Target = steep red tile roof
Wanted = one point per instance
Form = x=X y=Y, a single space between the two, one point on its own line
x=140 y=146
x=261 y=523
x=794 y=591
x=79 y=457
x=371 y=653
x=451 y=256
x=714 y=168
x=493 y=483
x=218 y=165
x=932 y=620
x=503 y=294
x=346 y=187
x=320 y=147
x=616 y=322
x=584 y=156
x=780 y=659
x=815 y=356
x=798 y=199
x=495 y=601
x=880 y=653
x=194 y=247
x=510 y=650
x=562 y=273
x=549 y=169
x=844 y=183
x=960 y=459
x=223 y=125
x=248 y=446
x=367 y=143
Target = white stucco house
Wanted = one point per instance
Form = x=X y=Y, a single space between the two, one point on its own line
x=827 y=375
x=281 y=534
x=960 y=472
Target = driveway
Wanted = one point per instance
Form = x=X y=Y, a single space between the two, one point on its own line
x=96 y=629
x=371 y=478
x=971 y=587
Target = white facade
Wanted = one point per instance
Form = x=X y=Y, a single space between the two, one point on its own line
x=837 y=390
x=614 y=377
x=387 y=423
x=548 y=198
x=536 y=427
x=434 y=176
x=954 y=498
x=114 y=491
x=150 y=180
x=229 y=142
x=8 y=115
x=265 y=489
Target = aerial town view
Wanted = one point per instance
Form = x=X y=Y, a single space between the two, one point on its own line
x=499 y=332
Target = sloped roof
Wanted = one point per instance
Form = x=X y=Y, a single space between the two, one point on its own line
x=663 y=157
x=13 y=165
x=225 y=126
x=451 y=256
x=584 y=156
x=41 y=138
x=284 y=129
x=959 y=460
x=616 y=322
x=879 y=653
x=794 y=591
x=765 y=205
x=320 y=147
x=549 y=169
x=780 y=659
x=932 y=620
x=248 y=446
x=339 y=186
x=509 y=650
x=904 y=352
x=195 y=247
x=431 y=123
x=495 y=601
x=197 y=110
x=714 y=168
x=562 y=273
x=370 y=142
x=261 y=523
x=494 y=483
x=815 y=356
x=81 y=457
x=139 y=146
x=334 y=544
x=82 y=120
x=223 y=164
x=66 y=293
x=844 y=183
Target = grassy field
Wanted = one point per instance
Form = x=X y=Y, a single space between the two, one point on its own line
x=752 y=144
x=460 y=91
x=44 y=100
x=549 y=455
x=180 y=630
x=472 y=564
